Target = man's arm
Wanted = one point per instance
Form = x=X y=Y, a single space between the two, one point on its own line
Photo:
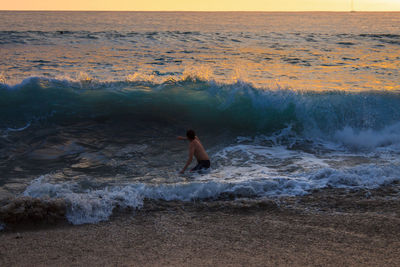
x=191 y=153
x=181 y=138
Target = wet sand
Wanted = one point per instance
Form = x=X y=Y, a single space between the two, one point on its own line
x=327 y=228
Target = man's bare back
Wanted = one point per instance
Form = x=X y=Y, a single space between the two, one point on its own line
x=199 y=151
x=196 y=149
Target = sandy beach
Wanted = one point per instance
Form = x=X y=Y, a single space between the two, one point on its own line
x=330 y=227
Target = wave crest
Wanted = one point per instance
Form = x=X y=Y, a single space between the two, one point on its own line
x=237 y=107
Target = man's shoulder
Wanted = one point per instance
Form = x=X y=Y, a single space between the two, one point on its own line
x=194 y=143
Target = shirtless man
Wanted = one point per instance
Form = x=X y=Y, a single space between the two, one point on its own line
x=196 y=149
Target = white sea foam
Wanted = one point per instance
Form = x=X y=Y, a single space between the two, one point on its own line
x=88 y=206
x=370 y=139
x=367 y=176
x=91 y=206
x=19 y=129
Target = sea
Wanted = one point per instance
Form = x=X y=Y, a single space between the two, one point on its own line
x=91 y=104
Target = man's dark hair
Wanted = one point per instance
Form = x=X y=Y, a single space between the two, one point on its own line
x=190 y=134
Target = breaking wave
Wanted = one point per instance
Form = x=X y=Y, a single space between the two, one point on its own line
x=238 y=107
x=92 y=206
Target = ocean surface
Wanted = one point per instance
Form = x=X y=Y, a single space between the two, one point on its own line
x=91 y=104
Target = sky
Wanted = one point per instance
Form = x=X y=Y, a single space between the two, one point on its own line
x=202 y=5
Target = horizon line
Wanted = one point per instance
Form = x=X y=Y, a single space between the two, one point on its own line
x=253 y=11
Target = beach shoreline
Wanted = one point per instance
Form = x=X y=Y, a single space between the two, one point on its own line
x=328 y=227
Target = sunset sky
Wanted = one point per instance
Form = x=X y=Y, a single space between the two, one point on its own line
x=202 y=5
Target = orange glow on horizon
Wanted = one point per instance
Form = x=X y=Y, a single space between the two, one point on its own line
x=204 y=5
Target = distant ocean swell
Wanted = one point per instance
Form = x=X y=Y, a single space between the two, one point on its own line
x=54 y=37
x=237 y=107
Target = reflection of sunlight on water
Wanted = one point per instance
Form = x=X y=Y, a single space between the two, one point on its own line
x=138 y=76
x=296 y=51
x=202 y=72
x=2 y=79
x=331 y=70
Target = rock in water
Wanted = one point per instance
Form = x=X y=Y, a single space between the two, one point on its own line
x=28 y=209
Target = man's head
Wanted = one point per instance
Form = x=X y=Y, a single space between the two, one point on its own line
x=190 y=134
